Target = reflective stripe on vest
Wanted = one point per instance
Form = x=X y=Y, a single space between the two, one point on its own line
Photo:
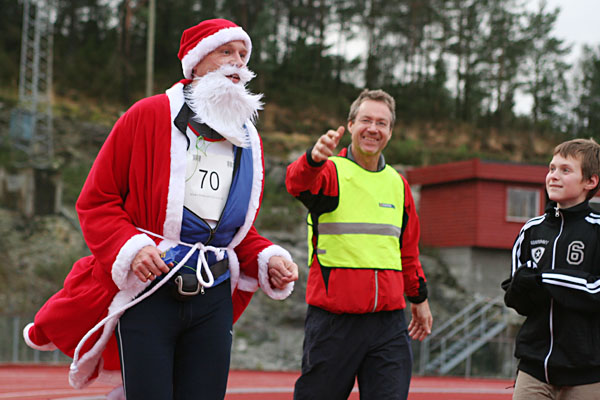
x=364 y=230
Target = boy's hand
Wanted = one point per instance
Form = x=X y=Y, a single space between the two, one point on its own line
x=528 y=281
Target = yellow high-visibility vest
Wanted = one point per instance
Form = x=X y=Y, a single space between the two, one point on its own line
x=364 y=230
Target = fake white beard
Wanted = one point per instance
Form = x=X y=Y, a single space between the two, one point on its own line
x=223 y=105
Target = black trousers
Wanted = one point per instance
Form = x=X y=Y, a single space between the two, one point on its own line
x=373 y=348
x=177 y=350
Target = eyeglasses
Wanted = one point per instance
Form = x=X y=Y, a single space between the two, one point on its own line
x=379 y=124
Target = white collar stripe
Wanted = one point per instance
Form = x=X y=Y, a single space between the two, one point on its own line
x=533 y=222
x=593 y=220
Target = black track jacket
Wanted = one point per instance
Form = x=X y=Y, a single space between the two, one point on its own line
x=555 y=283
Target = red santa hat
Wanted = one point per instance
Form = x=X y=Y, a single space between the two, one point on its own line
x=199 y=40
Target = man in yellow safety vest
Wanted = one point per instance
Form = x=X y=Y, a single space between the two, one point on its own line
x=363 y=234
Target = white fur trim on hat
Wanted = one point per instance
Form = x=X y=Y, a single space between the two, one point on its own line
x=210 y=43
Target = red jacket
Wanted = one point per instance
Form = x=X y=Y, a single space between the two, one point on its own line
x=138 y=181
x=351 y=290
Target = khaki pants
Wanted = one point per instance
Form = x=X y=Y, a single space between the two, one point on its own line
x=529 y=388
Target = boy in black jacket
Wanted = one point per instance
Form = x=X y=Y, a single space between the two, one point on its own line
x=555 y=283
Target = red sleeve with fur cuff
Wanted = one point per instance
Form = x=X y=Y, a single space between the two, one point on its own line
x=119 y=194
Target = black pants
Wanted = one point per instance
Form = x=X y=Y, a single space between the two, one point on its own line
x=374 y=348
x=177 y=350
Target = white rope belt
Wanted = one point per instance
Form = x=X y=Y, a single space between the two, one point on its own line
x=201 y=264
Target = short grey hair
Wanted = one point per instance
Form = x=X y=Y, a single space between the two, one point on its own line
x=376 y=95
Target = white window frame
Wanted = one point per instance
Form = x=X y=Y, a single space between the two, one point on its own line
x=528 y=202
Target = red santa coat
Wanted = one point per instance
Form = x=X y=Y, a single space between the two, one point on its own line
x=138 y=181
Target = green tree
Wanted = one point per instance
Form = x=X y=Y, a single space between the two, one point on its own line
x=84 y=40
x=587 y=110
x=11 y=18
x=385 y=42
x=545 y=65
x=172 y=18
x=504 y=51
x=485 y=51
x=465 y=44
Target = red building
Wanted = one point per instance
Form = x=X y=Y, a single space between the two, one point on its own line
x=471 y=212
x=477 y=203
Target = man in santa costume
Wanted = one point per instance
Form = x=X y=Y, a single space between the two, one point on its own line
x=167 y=211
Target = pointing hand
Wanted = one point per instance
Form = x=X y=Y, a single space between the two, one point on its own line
x=326 y=144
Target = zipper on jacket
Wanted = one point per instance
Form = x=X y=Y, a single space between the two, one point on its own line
x=376 y=292
x=557 y=213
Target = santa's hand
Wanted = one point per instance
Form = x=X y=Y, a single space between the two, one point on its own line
x=281 y=272
x=147 y=264
x=326 y=144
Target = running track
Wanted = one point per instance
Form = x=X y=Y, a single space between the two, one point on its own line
x=45 y=382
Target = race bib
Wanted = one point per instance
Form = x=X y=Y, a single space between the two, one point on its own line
x=208 y=176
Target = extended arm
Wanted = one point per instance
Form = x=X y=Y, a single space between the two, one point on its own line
x=312 y=178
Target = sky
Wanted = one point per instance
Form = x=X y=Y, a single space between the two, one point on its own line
x=578 y=22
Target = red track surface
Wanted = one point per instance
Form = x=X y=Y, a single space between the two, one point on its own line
x=44 y=382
